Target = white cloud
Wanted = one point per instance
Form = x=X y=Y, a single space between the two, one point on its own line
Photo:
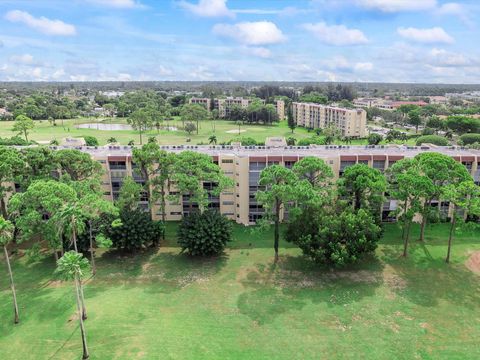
x=427 y=36
x=363 y=66
x=208 y=8
x=260 y=52
x=251 y=33
x=201 y=73
x=455 y=9
x=341 y=64
x=119 y=4
x=164 y=71
x=441 y=57
x=338 y=35
x=25 y=59
x=397 y=5
x=58 y=74
x=42 y=24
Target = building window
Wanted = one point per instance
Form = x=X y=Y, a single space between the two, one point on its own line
x=117 y=165
x=228 y=203
x=227 y=161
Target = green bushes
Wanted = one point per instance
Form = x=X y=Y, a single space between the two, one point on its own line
x=244 y=140
x=335 y=239
x=14 y=141
x=432 y=139
x=374 y=139
x=91 y=140
x=315 y=140
x=204 y=234
x=135 y=231
x=468 y=139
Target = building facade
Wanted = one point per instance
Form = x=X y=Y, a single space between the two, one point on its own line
x=350 y=122
x=224 y=105
x=244 y=165
x=202 y=101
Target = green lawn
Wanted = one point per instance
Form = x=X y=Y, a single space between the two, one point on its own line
x=46 y=132
x=224 y=131
x=162 y=305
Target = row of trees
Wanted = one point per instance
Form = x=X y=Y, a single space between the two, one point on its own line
x=338 y=223
x=255 y=113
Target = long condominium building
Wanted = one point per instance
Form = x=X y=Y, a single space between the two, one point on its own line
x=224 y=105
x=243 y=164
x=350 y=122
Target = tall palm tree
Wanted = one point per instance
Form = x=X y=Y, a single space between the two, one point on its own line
x=72 y=221
x=73 y=266
x=6 y=235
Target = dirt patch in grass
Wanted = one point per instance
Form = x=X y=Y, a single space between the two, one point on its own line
x=473 y=262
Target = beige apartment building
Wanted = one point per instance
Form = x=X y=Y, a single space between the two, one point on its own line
x=243 y=164
x=350 y=122
x=202 y=101
x=224 y=105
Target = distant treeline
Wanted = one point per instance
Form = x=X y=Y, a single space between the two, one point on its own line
x=236 y=87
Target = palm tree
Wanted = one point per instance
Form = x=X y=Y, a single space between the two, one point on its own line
x=73 y=266
x=212 y=140
x=71 y=219
x=6 y=235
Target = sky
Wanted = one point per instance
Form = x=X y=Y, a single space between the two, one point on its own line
x=420 y=41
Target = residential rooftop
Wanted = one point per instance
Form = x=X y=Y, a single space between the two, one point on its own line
x=312 y=150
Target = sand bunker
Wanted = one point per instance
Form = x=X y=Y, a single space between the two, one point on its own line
x=234 y=131
x=473 y=262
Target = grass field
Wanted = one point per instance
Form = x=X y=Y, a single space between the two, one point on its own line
x=224 y=131
x=162 y=305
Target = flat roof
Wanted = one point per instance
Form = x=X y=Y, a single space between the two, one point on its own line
x=313 y=150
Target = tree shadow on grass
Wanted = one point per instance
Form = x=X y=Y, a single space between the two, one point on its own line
x=427 y=280
x=157 y=271
x=295 y=282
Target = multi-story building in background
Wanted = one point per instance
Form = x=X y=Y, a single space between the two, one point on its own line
x=207 y=102
x=280 y=106
x=243 y=164
x=350 y=122
x=224 y=105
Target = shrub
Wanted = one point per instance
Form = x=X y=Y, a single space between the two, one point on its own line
x=432 y=139
x=91 y=140
x=204 y=234
x=428 y=131
x=468 y=139
x=14 y=141
x=316 y=140
x=291 y=141
x=136 y=231
x=244 y=140
x=334 y=239
x=374 y=139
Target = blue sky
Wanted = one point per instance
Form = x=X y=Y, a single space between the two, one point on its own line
x=291 y=40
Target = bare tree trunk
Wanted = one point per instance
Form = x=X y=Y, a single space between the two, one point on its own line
x=82 y=298
x=12 y=285
x=74 y=235
x=163 y=208
x=3 y=206
x=276 y=230
x=92 y=255
x=80 y=319
x=450 y=236
x=406 y=238
x=141 y=137
x=55 y=254
x=424 y=221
